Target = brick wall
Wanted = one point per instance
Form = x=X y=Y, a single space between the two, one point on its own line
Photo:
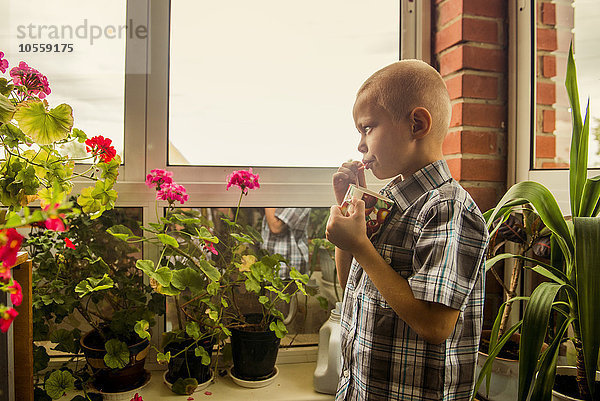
x=470 y=50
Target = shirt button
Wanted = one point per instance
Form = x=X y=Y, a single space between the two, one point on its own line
x=388 y=260
x=346 y=373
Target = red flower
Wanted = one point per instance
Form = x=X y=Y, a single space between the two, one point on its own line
x=16 y=294
x=54 y=222
x=100 y=146
x=137 y=397
x=210 y=247
x=69 y=244
x=6 y=318
x=34 y=81
x=243 y=179
x=10 y=240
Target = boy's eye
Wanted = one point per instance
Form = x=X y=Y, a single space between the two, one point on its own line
x=367 y=129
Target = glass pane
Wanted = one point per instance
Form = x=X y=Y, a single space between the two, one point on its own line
x=271 y=82
x=559 y=23
x=80 y=47
x=305 y=234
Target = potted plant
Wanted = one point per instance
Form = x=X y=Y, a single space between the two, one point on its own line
x=185 y=273
x=573 y=276
x=88 y=296
x=524 y=231
x=35 y=164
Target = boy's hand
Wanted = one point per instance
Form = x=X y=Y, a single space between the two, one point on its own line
x=349 y=173
x=348 y=233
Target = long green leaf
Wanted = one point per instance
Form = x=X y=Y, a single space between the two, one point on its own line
x=542 y=388
x=590 y=197
x=575 y=175
x=587 y=255
x=546 y=207
x=535 y=324
x=550 y=271
x=493 y=353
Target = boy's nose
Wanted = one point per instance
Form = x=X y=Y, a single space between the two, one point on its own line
x=362 y=146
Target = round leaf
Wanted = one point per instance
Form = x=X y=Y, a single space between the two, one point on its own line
x=117 y=354
x=59 y=382
x=43 y=126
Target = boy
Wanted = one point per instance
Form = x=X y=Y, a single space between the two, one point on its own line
x=413 y=301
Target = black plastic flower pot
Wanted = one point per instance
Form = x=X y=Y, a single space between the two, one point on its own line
x=254 y=352
x=187 y=364
x=110 y=380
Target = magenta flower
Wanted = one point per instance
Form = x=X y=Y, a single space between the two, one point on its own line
x=3 y=63
x=172 y=192
x=6 y=318
x=10 y=240
x=137 y=397
x=158 y=177
x=34 y=81
x=16 y=293
x=69 y=244
x=209 y=246
x=244 y=179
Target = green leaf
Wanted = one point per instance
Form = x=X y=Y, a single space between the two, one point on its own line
x=91 y=284
x=185 y=386
x=163 y=275
x=145 y=265
x=252 y=285
x=587 y=273
x=193 y=330
x=110 y=170
x=535 y=324
x=121 y=232
x=7 y=109
x=575 y=182
x=188 y=277
x=211 y=272
x=141 y=328
x=79 y=134
x=591 y=194
x=43 y=126
x=163 y=358
x=279 y=328
x=117 y=354
x=201 y=352
x=65 y=341
x=5 y=87
x=213 y=315
x=263 y=299
x=242 y=238
x=58 y=383
x=168 y=240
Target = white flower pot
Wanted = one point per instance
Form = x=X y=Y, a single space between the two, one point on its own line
x=504 y=383
x=567 y=371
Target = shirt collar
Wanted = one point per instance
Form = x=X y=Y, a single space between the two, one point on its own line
x=404 y=193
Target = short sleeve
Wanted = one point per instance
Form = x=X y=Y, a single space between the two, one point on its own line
x=450 y=242
x=294 y=218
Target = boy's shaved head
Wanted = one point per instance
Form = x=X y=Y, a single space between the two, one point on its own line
x=406 y=84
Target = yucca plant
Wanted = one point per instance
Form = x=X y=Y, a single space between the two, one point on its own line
x=573 y=274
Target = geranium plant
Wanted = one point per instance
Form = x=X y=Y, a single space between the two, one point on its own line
x=571 y=291
x=35 y=166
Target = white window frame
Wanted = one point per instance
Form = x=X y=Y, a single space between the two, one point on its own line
x=522 y=95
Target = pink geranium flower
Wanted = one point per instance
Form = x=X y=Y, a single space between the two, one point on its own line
x=209 y=246
x=137 y=397
x=158 y=177
x=54 y=222
x=172 y=192
x=6 y=318
x=10 y=240
x=16 y=293
x=101 y=146
x=244 y=179
x=34 y=81
x=3 y=63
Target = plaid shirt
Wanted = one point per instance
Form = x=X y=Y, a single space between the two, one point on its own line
x=434 y=237
x=292 y=243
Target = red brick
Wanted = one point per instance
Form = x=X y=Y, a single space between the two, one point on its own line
x=554 y=165
x=464 y=30
x=485 y=197
x=452 y=143
x=477 y=58
x=486 y=8
x=473 y=86
x=548 y=13
x=546 y=39
x=448 y=36
x=449 y=10
x=489 y=170
x=545 y=146
x=549 y=66
x=478 y=115
x=546 y=93
x=455 y=86
x=548 y=120
x=479 y=142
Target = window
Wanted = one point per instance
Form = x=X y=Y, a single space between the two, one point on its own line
x=542 y=37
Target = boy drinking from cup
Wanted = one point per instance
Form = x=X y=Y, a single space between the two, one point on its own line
x=414 y=292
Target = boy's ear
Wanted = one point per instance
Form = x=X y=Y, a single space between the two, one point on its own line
x=420 y=119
